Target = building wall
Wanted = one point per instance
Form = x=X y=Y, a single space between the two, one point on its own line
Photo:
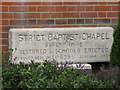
x=55 y=14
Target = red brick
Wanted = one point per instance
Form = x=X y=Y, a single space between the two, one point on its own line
x=86 y=3
x=46 y=15
x=4 y=28
x=32 y=3
x=19 y=3
x=80 y=21
x=27 y=15
x=37 y=3
x=102 y=21
x=80 y=8
x=46 y=3
x=70 y=15
x=89 y=8
x=32 y=9
x=61 y=21
x=115 y=8
x=17 y=26
x=32 y=22
x=102 y=14
x=27 y=3
x=5 y=22
x=72 y=8
x=56 y=15
x=45 y=8
x=71 y=3
x=3 y=35
x=0 y=14
x=4 y=41
x=7 y=3
x=18 y=22
x=88 y=21
x=112 y=14
x=0 y=22
x=60 y=8
x=112 y=2
x=115 y=20
x=1 y=8
x=18 y=8
x=102 y=2
x=19 y=15
x=89 y=14
x=7 y=15
x=4 y=48
x=102 y=8
x=4 y=9
x=0 y=28
x=72 y=21
x=45 y=22
x=41 y=21
x=56 y=3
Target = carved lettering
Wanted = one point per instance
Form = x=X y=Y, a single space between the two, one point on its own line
x=61 y=44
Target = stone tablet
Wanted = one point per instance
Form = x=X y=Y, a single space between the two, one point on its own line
x=90 y=44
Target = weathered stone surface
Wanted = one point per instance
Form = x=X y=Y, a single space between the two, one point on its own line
x=91 y=44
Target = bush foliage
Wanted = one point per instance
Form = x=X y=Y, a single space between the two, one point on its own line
x=49 y=75
x=115 y=51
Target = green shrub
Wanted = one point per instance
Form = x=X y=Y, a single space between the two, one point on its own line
x=111 y=74
x=49 y=75
x=115 y=51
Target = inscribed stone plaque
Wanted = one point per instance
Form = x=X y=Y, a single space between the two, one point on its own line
x=91 y=44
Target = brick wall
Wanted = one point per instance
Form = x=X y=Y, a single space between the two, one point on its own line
x=55 y=14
